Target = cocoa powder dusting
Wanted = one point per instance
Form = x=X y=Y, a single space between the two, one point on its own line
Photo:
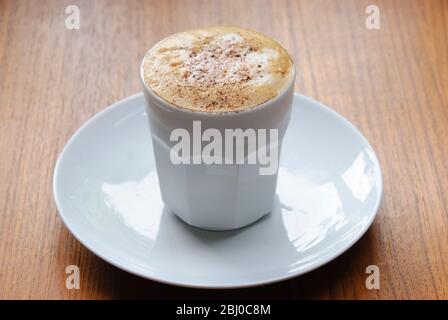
x=217 y=69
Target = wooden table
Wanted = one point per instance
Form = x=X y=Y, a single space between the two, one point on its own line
x=392 y=83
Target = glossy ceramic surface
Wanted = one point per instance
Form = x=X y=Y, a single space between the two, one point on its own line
x=107 y=193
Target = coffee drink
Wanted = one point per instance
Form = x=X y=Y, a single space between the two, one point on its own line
x=218 y=102
x=217 y=70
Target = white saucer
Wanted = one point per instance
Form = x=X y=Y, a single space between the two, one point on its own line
x=106 y=191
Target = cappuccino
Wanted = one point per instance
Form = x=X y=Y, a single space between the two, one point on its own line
x=217 y=70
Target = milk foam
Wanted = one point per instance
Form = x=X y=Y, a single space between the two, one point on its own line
x=217 y=69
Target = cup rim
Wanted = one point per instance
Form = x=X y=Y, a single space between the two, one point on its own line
x=162 y=102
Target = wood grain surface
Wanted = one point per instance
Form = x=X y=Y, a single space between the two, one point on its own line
x=392 y=83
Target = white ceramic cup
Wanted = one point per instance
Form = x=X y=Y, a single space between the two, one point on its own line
x=215 y=196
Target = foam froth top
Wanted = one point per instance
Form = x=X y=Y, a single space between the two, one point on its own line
x=217 y=69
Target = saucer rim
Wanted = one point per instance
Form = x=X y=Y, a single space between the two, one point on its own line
x=139 y=272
